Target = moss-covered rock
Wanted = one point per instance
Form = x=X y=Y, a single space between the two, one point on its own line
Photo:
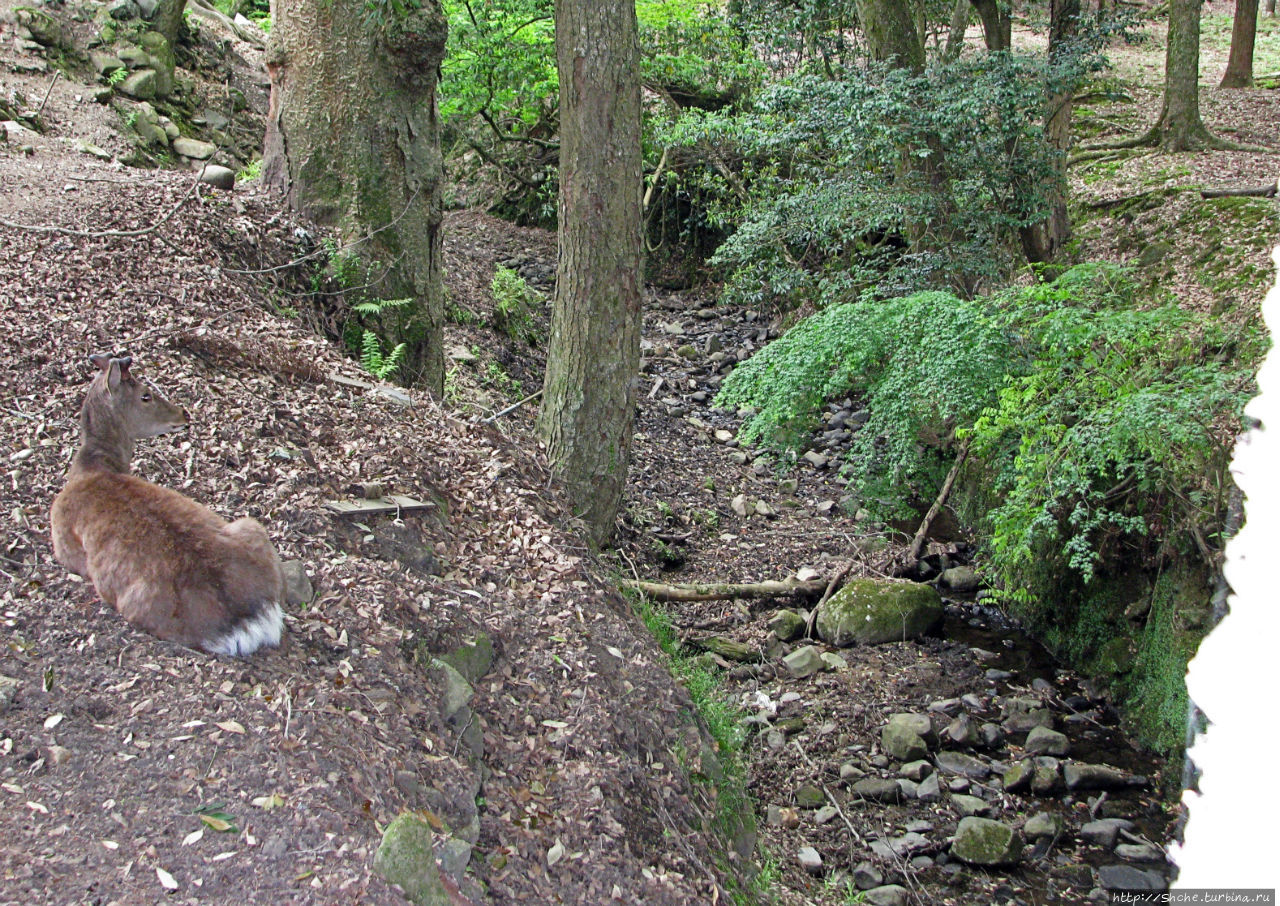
x=872 y=611
x=472 y=659
x=981 y=841
x=406 y=858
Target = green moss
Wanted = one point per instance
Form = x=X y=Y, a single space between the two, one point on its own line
x=406 y=858
x=871 y=611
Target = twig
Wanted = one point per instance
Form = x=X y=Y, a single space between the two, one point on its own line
x=917 y=543
x=853 y=831
x=125 y=234
x=826 y=596
x=56 y=74
x=512 y=408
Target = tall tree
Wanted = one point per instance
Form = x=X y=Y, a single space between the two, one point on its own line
x=997 y=24
x=1244 y=29
x=354 y=139
x=1042 y=241
x=1179 y=127
x=588 y=403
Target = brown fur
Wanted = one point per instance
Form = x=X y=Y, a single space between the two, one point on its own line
x=166 y=563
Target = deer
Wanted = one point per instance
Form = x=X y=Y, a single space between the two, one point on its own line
x=167 y=564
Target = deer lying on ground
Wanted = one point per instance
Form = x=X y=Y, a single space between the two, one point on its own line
x=166 y=563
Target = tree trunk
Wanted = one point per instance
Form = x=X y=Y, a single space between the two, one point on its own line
x=353 y=138
x=1042 y=241
x=168 y=19
x=997 y=25
x=1244 y=27
x=1271 y=7
x=1179 y=127
x=955 y=34
x=891 y=33
x=588 y=406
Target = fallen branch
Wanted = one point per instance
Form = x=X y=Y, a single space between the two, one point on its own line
x=826 y=596
x=512 y=408
x=1266 y=190
x=917 y=543
x=661 y=591
x=40 y=110
x=726 y=648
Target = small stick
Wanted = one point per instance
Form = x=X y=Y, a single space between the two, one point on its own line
x=56 y=74
x=512 y=408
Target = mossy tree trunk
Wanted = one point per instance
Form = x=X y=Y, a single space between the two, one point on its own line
x=1244 y=29
x=588 y=403
x=1179 y=127
x=353 y=138
x=168 y=19
x=1042 y=241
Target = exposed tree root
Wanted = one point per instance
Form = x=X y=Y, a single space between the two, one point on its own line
x=661 y=591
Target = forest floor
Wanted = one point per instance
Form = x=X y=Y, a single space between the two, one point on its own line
x=132 y=771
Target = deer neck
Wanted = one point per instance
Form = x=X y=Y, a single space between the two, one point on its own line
x=104 y=444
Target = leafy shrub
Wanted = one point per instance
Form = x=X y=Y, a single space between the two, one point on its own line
x=513 y=301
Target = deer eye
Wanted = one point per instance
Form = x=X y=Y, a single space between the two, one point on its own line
x=146 y=397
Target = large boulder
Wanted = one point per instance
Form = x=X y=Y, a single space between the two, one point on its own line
x=872 y=611
x=406 y=857
x=981 y=841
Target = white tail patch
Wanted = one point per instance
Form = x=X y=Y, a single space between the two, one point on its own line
x=261 y=630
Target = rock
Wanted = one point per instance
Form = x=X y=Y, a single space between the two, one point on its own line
x=962 y=764
x=739 y=505
x=462 y=355
x=1046 y=779
x=816 y=459
x=1104 y=831
x=909 y=788
x=1126 y=877
x=1043 y=825
x=782 y=816
x=947 y=706
x=804 y=662
x=87 y=147
x=850 y=771
x=810 y=797
x=193 y=148
x=1140 y=852
x=406 y=857
x=122 y=10
x=8 y=688
x=687 y=351
x=834 y=661
x=900 y=740
x=104 y=63
x=44 y=28
x=472 y=659
x=992 y=735
x=866 y=876
x=1022 y=723
x=887 y=895
x=962 y=731
x=929 y=789
x=1043 y=741
x=147 y=8
x=763 y=509
x=218 y=177
x=1081 y=776
x=133 y=56
x=140 y=85
x=981 y=841
x=877 y=789
x=966 y=806
x=961 y=579
x=1017 y=777
x=456 y=691
x=997 y=676
x=916 y=770
x=809 y=860
x=825 y=814
x=871 y=611
x=297 y=585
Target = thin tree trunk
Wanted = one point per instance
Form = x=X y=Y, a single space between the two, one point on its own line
x=353 y=138
x=589 y=402
x=1179 y=127
x=1042 y=241
x=1244 y=28
x=997 y=26
x=955 y=35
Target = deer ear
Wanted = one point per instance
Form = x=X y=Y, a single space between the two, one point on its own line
x=124 y=362
x=101 y=362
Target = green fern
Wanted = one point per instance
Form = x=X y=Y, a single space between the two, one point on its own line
x=375 y=362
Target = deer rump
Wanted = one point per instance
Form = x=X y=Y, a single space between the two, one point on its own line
x=169 y=565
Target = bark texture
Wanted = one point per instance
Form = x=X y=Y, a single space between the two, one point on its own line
x=353 y=138
x=588 y=405
x=1179 y=127
x=1042 y=241
x=997 y=25
x=1244 y=29
x=891 y=33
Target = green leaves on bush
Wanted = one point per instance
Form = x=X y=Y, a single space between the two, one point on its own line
x=1101 y=430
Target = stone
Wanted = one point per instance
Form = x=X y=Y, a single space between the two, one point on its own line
x=87 y=147
x=804 y=662
x=850 y=771
x=947 y=706
x=916 y=770
x=809 y=860
x=865 y=876
x=147 y=8
x=929 y=789
x=960 y=579
x=992 y=735
x=219 y=177
x=44 y=28
x=1046 y=779
x=1023 y=723
x=981 y=841
x=1043 y=825
x=1126 y=877
x=825 y=814
x=877 y=789
x=123 y=10
x=782 y=816
x=900 y=741
x=193 y=148
x=687 y=351
x=456 y=691
x=1104 y=831
x=140 y=85
x=962 y=764
x=472 y=659
x=970 y=805
x=886 y=895
x=739 y=505
x=909 y=788
x=406 y=857
x=834 y=661
x=1081 y=776
x=1043 y=741
x=1017 y=777
x=134 y=57
x=872 y=611
x=461 y=354
x=453 y=855
x=1140 y=852
x=809 y=797
x=8 y=688
x=104 y=63
x=297 y=584
x=962 y=731
x=816 y=459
